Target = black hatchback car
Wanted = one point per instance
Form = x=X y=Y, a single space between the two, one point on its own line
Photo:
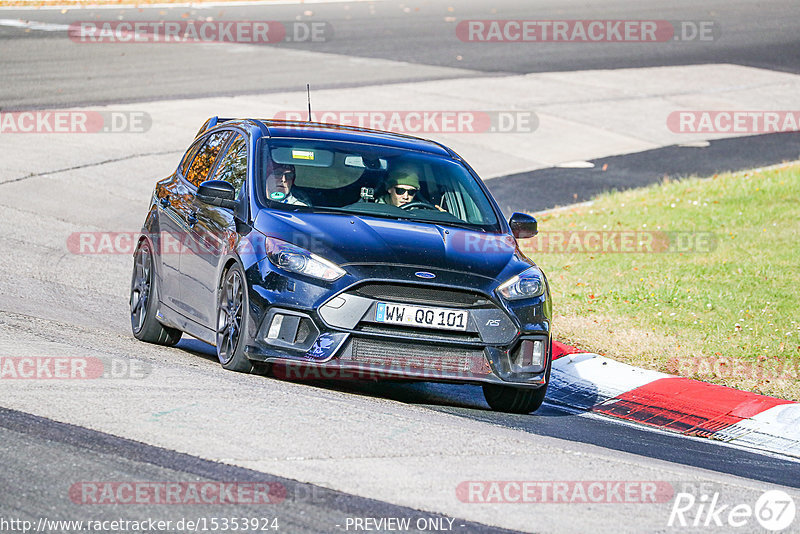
x=339 y=252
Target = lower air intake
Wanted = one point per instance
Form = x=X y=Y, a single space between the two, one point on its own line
x=419 y=356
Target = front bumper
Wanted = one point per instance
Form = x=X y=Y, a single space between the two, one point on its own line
x=339 y=338
x=392 y=360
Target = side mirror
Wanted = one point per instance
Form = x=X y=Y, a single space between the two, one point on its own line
x=523 y=226
x=217 y=193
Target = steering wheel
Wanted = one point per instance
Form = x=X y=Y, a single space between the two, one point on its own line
x=417 y=204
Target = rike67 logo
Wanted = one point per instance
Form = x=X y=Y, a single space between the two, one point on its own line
x=774 y=511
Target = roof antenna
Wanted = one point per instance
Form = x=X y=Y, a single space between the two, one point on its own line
x=308 y=92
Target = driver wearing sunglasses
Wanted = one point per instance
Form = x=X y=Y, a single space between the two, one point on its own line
x=402 y=187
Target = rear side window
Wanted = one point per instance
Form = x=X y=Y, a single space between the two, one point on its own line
x=188 y=157
x=203 y=162
x=233 y=166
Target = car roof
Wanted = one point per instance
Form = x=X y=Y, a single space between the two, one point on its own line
x=334 y=132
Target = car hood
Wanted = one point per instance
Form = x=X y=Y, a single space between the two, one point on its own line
x=362 y=240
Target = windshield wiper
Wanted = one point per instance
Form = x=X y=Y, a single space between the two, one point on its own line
x=397 y=217
x=465 y=226
x=329 y=209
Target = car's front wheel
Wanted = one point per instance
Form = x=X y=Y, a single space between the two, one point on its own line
x=144 y=301
x=513 y=400
x=232 y=320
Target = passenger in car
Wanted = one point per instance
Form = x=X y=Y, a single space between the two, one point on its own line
x=280 y=184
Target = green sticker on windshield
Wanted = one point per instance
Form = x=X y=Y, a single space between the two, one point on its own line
x=277 y=195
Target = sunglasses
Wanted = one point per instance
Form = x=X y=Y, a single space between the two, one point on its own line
x=399 y=191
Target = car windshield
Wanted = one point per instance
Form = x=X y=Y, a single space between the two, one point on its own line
x=364 y=179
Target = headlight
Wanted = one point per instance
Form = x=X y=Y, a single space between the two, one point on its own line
x=527 y=284
x=299 y=260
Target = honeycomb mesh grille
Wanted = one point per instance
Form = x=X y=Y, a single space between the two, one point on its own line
x=418 y=356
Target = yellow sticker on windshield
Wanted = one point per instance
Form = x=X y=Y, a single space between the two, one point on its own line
x=302 y=154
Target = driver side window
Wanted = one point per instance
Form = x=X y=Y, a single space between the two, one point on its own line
x=233 y=167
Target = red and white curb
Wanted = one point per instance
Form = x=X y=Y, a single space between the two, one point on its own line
x=601 y=385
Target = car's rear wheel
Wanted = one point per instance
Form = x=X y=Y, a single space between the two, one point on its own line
x=232 y=321
x=513 y=400
x=144 y=301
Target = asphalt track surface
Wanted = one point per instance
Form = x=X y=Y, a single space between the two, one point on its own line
x=69 y=449
x=41 y=70
x=42 y=457
x=67 y=454
x=554 y=187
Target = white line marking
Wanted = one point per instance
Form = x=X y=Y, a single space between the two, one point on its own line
x=191 y=5
x=575 y=165
x=34 y=25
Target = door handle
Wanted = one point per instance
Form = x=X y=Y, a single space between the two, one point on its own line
x=164 y=202
x=192 y=219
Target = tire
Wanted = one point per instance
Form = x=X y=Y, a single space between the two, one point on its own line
x=513 y=400
x=232 y=321
x=144 y=302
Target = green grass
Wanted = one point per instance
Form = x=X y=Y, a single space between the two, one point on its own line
x=727 y=313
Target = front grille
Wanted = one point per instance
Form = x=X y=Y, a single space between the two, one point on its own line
x=418 y=356
x=436 y=296
x=417 y=333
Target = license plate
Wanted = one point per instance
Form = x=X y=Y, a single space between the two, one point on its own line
x=441 y=318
